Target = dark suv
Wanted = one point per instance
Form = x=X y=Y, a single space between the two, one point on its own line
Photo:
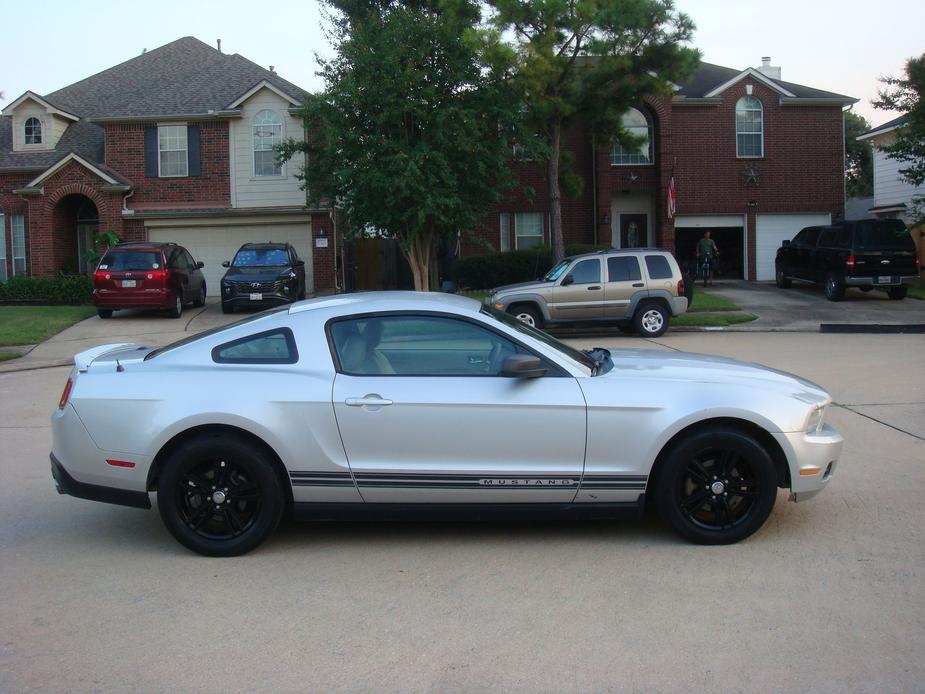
x=868 y=254
x=148 y=275
x=263 y=274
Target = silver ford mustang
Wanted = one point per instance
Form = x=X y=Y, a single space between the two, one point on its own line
x=394 y=403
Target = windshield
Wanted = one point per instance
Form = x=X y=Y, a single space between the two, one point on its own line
x=122 y=261
x=581 y=357
x=883 y=235
x=212 y=331
x=553 y=274
x=261 y=257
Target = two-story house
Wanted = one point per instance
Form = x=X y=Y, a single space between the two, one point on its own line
x=176 y=144
x=752 y=158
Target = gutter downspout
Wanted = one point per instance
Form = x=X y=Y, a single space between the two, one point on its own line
x=594 y=193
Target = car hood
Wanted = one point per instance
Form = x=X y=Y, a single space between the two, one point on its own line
x=257 y=274
x=521 y=287
x=704 y=368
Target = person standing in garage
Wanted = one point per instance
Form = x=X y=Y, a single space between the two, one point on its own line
x=707 y=253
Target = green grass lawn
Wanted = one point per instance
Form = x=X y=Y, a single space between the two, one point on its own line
x=6 y=356
x=917 y=292
x=28 y=325
x=710 y=302
x=711 y=319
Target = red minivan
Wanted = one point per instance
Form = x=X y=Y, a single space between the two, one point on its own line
x=160 y=276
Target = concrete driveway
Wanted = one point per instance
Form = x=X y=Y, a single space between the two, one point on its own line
x=804 y=307
x=828 y=596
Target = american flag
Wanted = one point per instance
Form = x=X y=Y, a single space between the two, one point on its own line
x=672 y=198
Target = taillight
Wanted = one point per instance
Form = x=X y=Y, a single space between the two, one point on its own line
x=850 y=262
x=681 y=287
x=66 y=394
x=159 y=275
x=99 y=276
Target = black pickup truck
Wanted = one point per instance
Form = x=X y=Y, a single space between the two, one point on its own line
x=868 y=254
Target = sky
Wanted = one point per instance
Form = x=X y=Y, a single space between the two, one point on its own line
x=842 y=47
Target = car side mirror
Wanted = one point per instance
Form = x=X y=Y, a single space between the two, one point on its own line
x=785 y=242
x=522 y=366
x=300 y=263
x=226 y=264
x=200 y=265
x=567 y=280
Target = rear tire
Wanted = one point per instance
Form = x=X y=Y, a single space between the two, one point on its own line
x=897 y=293
x=834 y=287
x=781 y=280
x=201 y=299
x=716 y=486
x=528 y=314
x=219 y=495
x=651 y=320
x=104 y=313
x=177 y=309
x=227 y=308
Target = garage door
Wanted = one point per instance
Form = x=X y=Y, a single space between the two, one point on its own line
x=771 y=230
x=215 y=244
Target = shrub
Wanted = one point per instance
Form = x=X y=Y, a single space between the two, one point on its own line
x=497 y=269
x=65 y=289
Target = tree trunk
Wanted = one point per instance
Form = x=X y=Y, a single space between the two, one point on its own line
x=555 y=194
x=419 y=252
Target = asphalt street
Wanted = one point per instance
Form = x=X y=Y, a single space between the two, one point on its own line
x=828 y=596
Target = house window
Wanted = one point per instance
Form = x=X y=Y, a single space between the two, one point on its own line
x=3 y=276
x=172 y=151
x=528 y=230
x=268 y=133
x=637 y=125
x=505 y=232
x=33 y=130
x=18 y=225
x=749 y=127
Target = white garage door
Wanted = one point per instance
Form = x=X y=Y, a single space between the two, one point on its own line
x=215 y=244
x=771 y=230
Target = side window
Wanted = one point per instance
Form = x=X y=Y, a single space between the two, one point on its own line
x=586 y=271
x=623 y=268
x=801 y=237
x=416 y=345
x=188 y=259
x=812 y=236
x=658 y=267
x=843 y=237
x=270 y=347
x=827 y=237
x=173 y=259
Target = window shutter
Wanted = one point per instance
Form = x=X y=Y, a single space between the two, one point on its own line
x=192 y=145
x=151 y=152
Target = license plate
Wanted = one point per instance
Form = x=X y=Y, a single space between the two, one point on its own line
x=884 y=280
x=128 y=283
x=256 y=297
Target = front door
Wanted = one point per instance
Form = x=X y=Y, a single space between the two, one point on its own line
x=426 y=417
x=634 y=231
x=85 y=234
x=579 y=294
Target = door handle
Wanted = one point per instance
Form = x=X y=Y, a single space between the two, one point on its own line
x=595 y=288
x=371 y=400
x=639 y=284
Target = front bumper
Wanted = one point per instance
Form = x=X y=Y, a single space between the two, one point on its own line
x=65 y=484
x=815 y=455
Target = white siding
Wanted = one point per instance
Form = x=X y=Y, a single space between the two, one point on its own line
x=53 y=127
x=889 y=187
x=771 y=230
x=252 y=191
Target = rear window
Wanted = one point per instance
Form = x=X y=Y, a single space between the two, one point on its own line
x=882 y=235
x=123 y=261
x=270 y=347
x=213 y=331
x=658 y=267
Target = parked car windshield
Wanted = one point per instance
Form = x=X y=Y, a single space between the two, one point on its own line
x=123 y=261
x=574 y=354
x=261 y=257
x=554 y=274
x=883 y=235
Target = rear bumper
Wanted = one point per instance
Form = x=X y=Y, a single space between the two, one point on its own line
x=65 y=484
x=895 y=281
x=150 y=298
x=678 y=305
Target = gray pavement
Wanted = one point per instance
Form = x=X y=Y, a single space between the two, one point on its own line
x=828 y=596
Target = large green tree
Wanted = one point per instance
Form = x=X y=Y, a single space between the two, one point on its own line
x=590 y=60
x=859 y=166
x=905 y=94
x=412 y=135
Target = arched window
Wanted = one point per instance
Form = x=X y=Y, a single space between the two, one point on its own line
x=749 y=127
x=33 y=130
x=268 y=132
x=636 y=123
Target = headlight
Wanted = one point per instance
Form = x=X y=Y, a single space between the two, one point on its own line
x=814 y=419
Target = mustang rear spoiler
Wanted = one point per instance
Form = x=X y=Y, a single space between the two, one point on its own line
x=83 y=359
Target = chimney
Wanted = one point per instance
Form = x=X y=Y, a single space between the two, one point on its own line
x=218 y=43
x=769 y=70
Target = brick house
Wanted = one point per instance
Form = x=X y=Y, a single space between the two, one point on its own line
x=754 y=159
x=175 y=144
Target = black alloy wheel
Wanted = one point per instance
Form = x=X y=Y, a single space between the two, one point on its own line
x=718 y=486
x=219 y=496
x=834 y=287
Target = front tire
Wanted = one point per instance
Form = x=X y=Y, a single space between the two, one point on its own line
x=219 y=495
x=227 y=308
x=651 y=320
x=716 y=487
x=834 y=287
x=527 y=314
x=781 y=280
x=897 y=293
